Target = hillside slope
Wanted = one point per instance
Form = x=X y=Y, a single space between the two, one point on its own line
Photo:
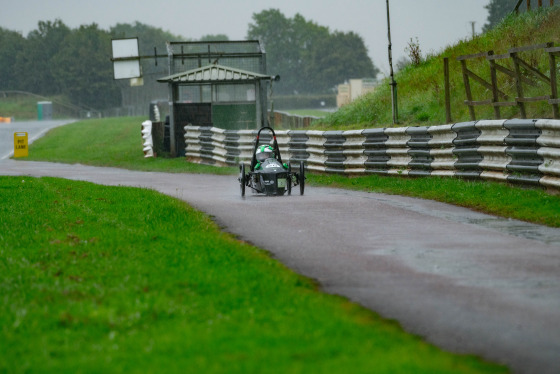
x=421 y=88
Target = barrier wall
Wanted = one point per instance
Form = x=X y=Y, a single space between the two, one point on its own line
x=523 y=151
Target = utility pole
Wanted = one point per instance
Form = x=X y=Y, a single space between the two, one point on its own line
x=472 y=26
x=393 y=84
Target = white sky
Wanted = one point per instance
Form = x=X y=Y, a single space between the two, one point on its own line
x=436 y=23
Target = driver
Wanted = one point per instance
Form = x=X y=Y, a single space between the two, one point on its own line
x=263 y=153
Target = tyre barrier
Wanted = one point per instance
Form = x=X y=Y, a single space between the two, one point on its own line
x=517 y=150
x=147 y=140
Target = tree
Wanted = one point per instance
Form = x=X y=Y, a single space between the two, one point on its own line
x=307 y=56
x=11 y=43
x=82 y=68
x=34 y=63
x=497 y=10
x=214 y=38
x=336 y=58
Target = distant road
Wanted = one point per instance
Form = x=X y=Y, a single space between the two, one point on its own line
x=34 y=129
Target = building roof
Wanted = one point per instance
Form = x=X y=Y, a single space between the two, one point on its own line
x=212 y=74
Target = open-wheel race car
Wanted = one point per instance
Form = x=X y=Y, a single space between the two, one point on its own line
x=267 y=173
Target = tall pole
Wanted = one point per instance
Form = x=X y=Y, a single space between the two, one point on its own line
x=393 y=84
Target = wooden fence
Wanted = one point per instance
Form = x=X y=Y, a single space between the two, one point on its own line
x=539 y=4
x=523 y=73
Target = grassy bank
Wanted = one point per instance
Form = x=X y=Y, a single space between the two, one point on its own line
x=421 y=88
x=113 y=279
x=117 y=142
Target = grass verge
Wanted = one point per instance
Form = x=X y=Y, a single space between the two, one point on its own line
x=113 y=279
x=115 y=142
x=527 y=204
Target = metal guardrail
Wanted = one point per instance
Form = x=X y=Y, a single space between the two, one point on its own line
x=517 y=150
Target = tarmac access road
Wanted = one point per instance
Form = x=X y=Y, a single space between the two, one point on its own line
x=465 y=281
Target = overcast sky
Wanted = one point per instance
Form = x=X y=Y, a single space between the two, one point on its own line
x=436 y=23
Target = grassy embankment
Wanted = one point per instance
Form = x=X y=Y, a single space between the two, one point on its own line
x=117 y=142
x=421 y=88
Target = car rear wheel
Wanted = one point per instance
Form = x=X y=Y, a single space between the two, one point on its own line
x=242 y=179
x=301 y=178
x=289 y=184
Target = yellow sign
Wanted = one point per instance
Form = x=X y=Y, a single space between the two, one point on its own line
x=20 y=144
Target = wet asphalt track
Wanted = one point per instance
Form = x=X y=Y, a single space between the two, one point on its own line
x=465 y=281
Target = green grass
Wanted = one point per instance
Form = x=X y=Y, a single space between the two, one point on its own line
x=19 y=107
x=527 y=204
x=113 y=279
x=115 y=142
x=23 y=106
x=421 y=88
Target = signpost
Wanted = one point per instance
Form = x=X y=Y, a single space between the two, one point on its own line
x=20 y=144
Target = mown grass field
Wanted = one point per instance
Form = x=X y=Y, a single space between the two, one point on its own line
x=114 y=279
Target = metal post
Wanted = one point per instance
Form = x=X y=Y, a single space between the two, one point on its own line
x=393 y=84
x=172 y=98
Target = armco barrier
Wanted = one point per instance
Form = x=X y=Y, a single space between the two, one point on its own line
x=519 y=151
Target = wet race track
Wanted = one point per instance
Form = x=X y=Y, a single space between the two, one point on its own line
x=465 y=281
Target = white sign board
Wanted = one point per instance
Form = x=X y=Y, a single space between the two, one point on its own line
x=126 y=48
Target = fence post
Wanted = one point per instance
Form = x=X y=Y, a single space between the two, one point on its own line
x=553 y=84
x=447 y=91
x=468 y=89
x=494 y=79
x=518 y=85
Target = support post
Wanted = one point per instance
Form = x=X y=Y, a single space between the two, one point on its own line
x=553 y=85
x=468 y=89
x=447 y=90
x=519 y=85
x=494 y=79
x=393 y=84
x=172 y=99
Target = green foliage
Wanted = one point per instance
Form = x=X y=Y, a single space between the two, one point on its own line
x=11 y=42
x=57 y=60
x=83 y=69
x=112 y=279
x=497 y=11
x=421 y=99
x=214 y=38
x=34 y=66
x=308 y=57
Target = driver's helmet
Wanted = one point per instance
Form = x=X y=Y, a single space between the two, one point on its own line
x=264 y=152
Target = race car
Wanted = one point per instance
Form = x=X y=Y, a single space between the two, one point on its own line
x=267 y=173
